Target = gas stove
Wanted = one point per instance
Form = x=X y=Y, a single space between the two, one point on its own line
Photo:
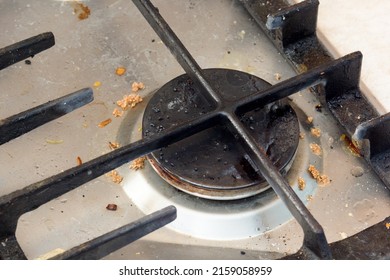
x=267 y=150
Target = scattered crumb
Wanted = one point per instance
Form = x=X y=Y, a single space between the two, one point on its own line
x=316 y=149
x=310 y=119
x=323 y=180
x=104 y=123
x=137 y=86
x=301 y=183
x=116 y=178
x=79 y=161
x=313 y=171
x=309 y=197
x=138 y=163
x=277 y=76
x=120 y=71
x=301 y=135
x=117 y=113
x=112 y=207
x=97 y=84
x=81 y=11
x=130 y=100
x=113 y=145
x=54 y=141
x=318 y=108
x=387 y=225
x=316 y=132
x=320 y=178
x=301 y=68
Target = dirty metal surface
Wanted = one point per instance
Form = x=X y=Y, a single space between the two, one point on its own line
x=212 y=160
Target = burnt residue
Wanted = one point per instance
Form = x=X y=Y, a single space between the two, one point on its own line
x=214 y=159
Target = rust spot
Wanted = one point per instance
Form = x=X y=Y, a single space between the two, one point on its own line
x=350 y=145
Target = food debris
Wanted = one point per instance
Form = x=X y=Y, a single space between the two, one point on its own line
x=318 y=108
x=54 y=141
x=97 y=84
x=104 y=123
x=301 y=68
x=277 y=76
x=113 y=145
x=316 y=149
x=301 y=135
x=137 y=86
x=81 y=11
x=130 y=100
x=112 y=207
x=117 y=113
x=116 y=178
x=316 y=132
x=321 y=179
x=138 y=163
x=387 y=225
x=120 y=71
x=313 y=171
x=301 y=183
x=79 y=161
x=309 y=197
x=310 y=119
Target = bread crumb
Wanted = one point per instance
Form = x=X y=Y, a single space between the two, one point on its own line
x=301 y=183
x=320 y=178
x=129 y=101
x=309 y=197
x=117 y=113
x=323 y=180
x=388 y=225
x=310 y=119
x=79 y=161
x=113 y=145
x=316 y=132
x=138 y=163
x=277 y=76
x=120 y=71
x=104 y=123
x=137 y=86
x=97 y=84
x=301 y=135
x=316 y=149
x=114 y=175
x=112 y=207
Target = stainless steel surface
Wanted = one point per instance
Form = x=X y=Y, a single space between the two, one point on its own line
x=218 y=34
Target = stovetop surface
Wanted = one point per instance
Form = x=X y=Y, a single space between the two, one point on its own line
x=218 y=34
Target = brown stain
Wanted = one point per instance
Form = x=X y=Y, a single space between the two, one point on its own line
x=82 y=11
x=350 y=145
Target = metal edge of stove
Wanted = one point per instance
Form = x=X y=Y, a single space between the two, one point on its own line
x=292 y=29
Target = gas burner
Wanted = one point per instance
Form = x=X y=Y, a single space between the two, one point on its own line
x=151 y=203
x=211 y=164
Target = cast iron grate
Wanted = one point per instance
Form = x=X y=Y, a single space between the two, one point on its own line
x=332 y=78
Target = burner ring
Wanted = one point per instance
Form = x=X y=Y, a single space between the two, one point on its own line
x=212 y=164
